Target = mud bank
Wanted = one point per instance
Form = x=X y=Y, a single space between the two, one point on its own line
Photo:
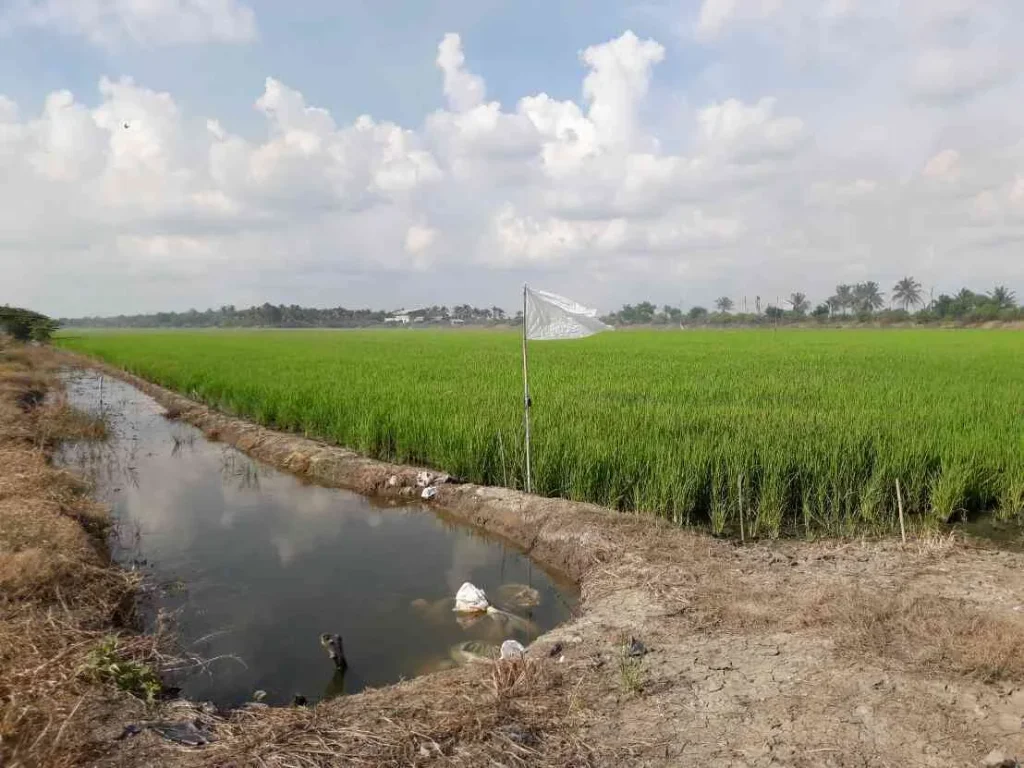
x=686 y=651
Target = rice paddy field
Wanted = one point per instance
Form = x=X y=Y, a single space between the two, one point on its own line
x=800 y=432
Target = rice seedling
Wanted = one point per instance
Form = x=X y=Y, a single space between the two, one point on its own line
x=820 y=424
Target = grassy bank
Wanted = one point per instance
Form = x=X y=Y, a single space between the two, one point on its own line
x=64 y=650
x=810 y=428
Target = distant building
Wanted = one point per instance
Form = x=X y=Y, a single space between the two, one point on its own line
x=406 y=316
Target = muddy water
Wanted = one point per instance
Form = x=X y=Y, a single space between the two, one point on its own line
x=249 y=565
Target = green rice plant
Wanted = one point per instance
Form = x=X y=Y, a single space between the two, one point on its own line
x=819 y=423
x=1011 y=498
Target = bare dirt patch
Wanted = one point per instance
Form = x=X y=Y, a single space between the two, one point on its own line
x=687 y=650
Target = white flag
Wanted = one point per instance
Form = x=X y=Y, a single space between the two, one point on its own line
x=550 y=316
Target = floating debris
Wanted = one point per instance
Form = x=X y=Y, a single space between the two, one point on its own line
x=472 y=651
x=436 y=611
x=335 y=649
x=188 y=733
x=517 y=596
x=470 y=599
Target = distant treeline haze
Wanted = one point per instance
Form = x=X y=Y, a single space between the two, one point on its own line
x=860 y=302
x=294 y=316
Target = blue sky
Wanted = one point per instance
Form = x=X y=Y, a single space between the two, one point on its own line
x=683 y=150
x=352 y=57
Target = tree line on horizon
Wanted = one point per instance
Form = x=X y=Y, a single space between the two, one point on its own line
x=860 y=302
x=294 y=316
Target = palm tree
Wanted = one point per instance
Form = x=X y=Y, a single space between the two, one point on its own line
x=723 y=303
x=843 y=299
x=799 y=302
x=907 y=292
x=867 y=297
x=1003 y=297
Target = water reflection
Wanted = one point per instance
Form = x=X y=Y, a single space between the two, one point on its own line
x=254 y=565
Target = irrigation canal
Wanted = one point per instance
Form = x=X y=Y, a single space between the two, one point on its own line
x=247 y=566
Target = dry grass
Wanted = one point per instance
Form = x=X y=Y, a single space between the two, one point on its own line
x=927 y=634
x=44 y=675
x=521 y=714
x=58 y=421
x=515 y=676
x=59 y=595
x=918 y=632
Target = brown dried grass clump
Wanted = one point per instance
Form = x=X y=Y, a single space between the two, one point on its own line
x=918 y=632
x=32 y=488
x=522 y=713
x=870 y=616
x=58 y=421
x=47 y=576
x=928 y=634
x=52 y=706
x=39 y=523
x=511 y=677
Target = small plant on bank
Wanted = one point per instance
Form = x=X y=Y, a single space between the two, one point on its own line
x=631 y=669
x=513 y=677
x=107 y=663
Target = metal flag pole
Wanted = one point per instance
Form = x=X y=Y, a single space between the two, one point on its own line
x=526 y=400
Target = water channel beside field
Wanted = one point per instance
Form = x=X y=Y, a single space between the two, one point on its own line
x=250 y=565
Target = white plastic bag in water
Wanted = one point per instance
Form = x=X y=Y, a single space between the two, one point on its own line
x=470 y=599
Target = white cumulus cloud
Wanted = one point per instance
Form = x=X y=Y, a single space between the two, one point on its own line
x=125 y=199
x=463 y=89
x=146 y=22
x=620 y=73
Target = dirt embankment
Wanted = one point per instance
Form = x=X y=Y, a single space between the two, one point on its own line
x=64 y=609
x=791 y=653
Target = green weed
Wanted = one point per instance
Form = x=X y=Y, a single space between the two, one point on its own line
x=109 y=664
x=631 y=670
